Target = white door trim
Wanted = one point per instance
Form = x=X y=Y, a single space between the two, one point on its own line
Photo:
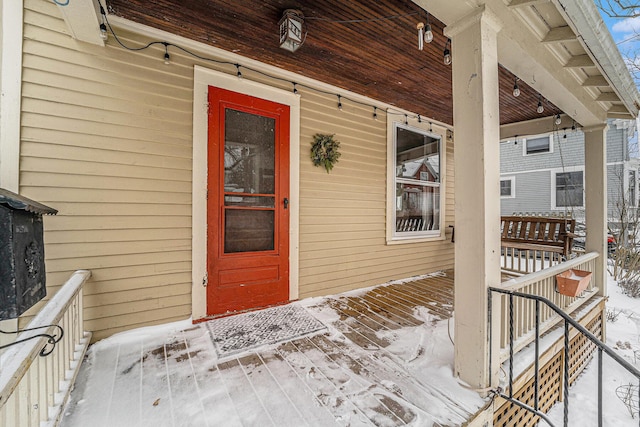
x=203 y=78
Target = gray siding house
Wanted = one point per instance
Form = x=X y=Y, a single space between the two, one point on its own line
x=544 y=174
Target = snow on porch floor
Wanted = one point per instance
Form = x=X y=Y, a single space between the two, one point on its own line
x=385 y=359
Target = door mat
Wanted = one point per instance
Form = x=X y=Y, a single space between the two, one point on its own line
x=243 y=332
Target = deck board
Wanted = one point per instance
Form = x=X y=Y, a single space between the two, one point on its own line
x=355 y=374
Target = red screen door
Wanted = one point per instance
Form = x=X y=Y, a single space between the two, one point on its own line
x=247 y=205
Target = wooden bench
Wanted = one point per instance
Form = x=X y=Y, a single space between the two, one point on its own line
x=537 y=233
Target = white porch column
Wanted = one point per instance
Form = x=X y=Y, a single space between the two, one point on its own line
x=477 y=195
x=595 y=185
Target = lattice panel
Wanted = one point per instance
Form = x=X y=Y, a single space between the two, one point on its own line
x=509 y=415
x=581 y=351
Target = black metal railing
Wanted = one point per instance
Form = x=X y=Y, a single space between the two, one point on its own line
x=568 y=322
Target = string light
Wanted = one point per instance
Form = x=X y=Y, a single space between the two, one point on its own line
x=238 y=72
x=573 y=126
x=103 y=27
x=565 y=133
x=167 y=57
x=339 y=103
x=103 y=32
x=446 y=54
x=516 y=89
x=419 y=119
x=375 y=113
x=295 y=89
x=406 y=120
x=430 y=128
x=428 y=33
x=540 y=108
x=558 y=120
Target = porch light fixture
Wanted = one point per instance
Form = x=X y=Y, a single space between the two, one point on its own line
x=291 y=30
x=447 y=53
x=558 y=120
x=420 y=28
x=516 y=89
x=425 y=34
x=540 y=108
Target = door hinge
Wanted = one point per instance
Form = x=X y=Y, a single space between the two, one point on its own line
x=205 y=280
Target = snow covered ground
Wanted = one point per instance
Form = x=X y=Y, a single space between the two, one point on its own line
x=623 y=335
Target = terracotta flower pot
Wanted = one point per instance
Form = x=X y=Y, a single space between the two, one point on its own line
x=573 y=282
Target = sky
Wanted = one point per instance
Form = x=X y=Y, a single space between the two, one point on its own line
x=625 y=32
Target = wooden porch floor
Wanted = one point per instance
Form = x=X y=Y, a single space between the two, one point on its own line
x=385 y=359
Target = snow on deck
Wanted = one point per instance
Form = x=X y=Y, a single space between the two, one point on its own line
x=385 y=359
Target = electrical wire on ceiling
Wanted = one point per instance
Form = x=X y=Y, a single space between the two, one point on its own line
x=106 y=25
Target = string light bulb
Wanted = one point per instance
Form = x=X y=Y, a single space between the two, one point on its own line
x=167 y=57
x=339 y=103
x=419 y=119
x=540 y=108
x=375 y=113
x=406 y=120
x=428 y=33
x=516 y=89
x=447 y=53
x=103 y=32
x=558 y=120
x=295 y=89
x=421 y=36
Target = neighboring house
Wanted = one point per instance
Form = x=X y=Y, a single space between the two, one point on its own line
x=180 y=167
x=544 y=174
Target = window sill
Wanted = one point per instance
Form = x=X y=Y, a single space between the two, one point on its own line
x=416 y=239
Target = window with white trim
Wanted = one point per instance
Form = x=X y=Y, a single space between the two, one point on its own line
x=569 y=189
x=538 y=145
x=417 y=182
x=508 y=187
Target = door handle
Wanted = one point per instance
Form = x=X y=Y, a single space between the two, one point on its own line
x=286 y=203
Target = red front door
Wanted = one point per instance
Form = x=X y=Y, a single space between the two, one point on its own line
x=247 y=205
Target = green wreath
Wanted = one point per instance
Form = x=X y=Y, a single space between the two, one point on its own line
x=324 y=151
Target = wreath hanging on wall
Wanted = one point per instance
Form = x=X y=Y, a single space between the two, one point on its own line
x=325 y=151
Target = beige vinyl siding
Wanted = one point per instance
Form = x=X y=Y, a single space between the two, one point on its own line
x=343 y=213
x=107 y=140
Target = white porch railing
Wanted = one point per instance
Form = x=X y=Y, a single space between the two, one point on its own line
x=525 y=261
x=542 y=283
x=34 y=389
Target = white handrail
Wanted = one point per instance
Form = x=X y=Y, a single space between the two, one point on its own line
x=64 y=309
x=528 y=279
x=541 y=283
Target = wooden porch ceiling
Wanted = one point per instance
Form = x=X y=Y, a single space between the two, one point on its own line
x=377 y=58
